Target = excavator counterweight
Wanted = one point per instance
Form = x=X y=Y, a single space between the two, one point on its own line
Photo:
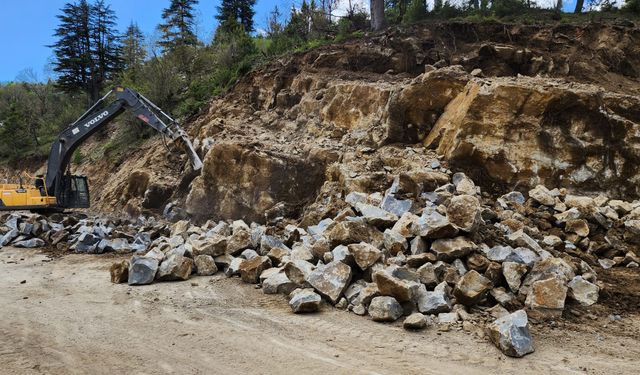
x=59 y=189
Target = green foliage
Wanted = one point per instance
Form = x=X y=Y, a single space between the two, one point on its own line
x=502 y=8
x=632 y=6
x=87 y=50
x=416 y=11
x=233 y=12
x=177 y=28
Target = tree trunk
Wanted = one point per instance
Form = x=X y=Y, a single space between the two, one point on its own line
x=377 y=14
x=559 y=5
x=579 y=5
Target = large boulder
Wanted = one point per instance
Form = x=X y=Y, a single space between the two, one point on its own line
x=583 y=291
x=511 y=334
x=546 y=298
x=385 y=309
x=238 y=180
x=390 y=285
x=251 y=269
x=142 y=270
x=447 y=250
x=330 y=280
x=205 y=265
x=464 y=212
x=471 y=288
x=364 y=254
x=304 y=301
x=175 y=267
x=433 y=302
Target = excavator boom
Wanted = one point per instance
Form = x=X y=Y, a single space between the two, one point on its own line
x=59 y=189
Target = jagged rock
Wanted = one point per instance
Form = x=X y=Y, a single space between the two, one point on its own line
x=397 y=207
x=31 y=243
x=175 y=267
x=501 y=254
x=464 y=212
x=364 y=254
x=504 y=298
x=251 y=269
x=385 y=309
x=448 y=318
x=356 y=197
x=59 y=236
x=433 y=302
x=156 y=254
x=376 y=216
x=298 y=271
x=582 y=291
x=511 y=198
x=447 y=250
x=249 y=254
x=415 y=321
x=205 y=265
x=404 y=225
x=417 y=246
x=234 y=267
x=304 y=301
x=583 y=204
x=477 y=262
x=142 y=270
x=394 y=242
x=240 y=240
x=578 y=226
x=330 y=280
x=525 y=256
x=542 y=195
x=119 y=272
x=471 y=288
x=520 y=238
x=546 y=298
x=278 y=283
x=301 y=252
x=433 y=225
x=513 y=273
x=390 y=285
x=550 y=267
x=348 y=232
x=427 y=275
x=621 y=207
x=552 y=241
x=213 y=245
x=511 y=335
x=463 y=184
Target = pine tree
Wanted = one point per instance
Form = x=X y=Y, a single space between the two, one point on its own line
x=87 y=50
x=177 y=29
x=133 y=47
x=231 y=12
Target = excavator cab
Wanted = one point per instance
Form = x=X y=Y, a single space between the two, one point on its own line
x=74 y=192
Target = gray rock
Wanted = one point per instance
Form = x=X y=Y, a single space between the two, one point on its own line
x=298 y=271
x=364 y=254
x=142 y=270
x=376 y=216
x=464 y=212
x=175 y=267
x=394 y=242
x=205 y=265
x=415 y=321
x=472 y=288
x=582 y=291
x=31 y=243
x=234 y=267
x=249 y=254
x=391 y=285
x=463 y=184
x=330 y=280
x=448 y=318
x=433 y=302
x=511 y=334
x=417 y=246
x=522 y=239
x=427 y=275
x=542 y=195
x=355 y=197
x=433 y=225
x=511 y=198
x=405 y=224
x=513 y=273
x=449 y=249
x=395 y=206
x=304 y=301
x=9 y=236
x=385 y=309
x=87 y=243
x=606 y=263
x=278 y=283
x=317 y=231
x=251 y=269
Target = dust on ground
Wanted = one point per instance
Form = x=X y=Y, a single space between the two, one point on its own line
x=61 y=315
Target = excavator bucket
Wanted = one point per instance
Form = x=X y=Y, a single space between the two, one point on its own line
x=183 y=142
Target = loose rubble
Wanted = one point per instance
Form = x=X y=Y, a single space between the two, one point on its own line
x=447 y=254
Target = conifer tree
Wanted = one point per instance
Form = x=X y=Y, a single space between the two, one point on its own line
x=231 y=12
x=133 y=47
x=177 y=29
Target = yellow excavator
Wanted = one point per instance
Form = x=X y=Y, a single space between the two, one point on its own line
x=59 y=189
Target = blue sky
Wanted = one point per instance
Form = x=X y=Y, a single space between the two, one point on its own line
x=26 y=27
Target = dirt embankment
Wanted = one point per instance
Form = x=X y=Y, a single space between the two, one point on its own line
x=66 y=317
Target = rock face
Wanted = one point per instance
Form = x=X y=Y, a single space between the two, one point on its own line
x=238 y=181
x=558 y=137
x=385 y=309
x=511 y=335
x=142 y=270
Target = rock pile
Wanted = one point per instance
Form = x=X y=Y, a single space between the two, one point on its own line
x=448 y=255
x=79 y=233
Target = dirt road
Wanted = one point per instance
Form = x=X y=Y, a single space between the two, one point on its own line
x=67 y=318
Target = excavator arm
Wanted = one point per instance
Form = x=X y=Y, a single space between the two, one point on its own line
x=99 y=115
